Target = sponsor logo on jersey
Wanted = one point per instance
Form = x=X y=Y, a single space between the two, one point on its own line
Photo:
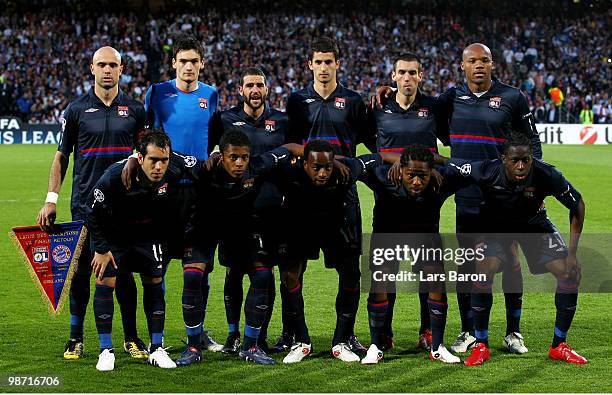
x=339 y=103
x=308 y=101
x=389 y=111
x=203 y=103
x=495 y=102
x=162 y=189
x=423 y=112
x=270 y=125
x=171 y=94
x=91 y=110
x=248 y=183
x=239 y=123
x=40 y=254
x=464 y=97
x=123 y=111
x=529 y=192
x=189 y=160
x=61 y=253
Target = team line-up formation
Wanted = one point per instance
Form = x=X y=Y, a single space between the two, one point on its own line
x=282 y=187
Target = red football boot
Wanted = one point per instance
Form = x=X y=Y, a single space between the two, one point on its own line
x=480 y=354
x=424 y=342
x=563 y=352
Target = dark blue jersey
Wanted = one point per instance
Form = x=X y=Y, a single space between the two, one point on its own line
x=478 y=126
x=117 y=217
x=511 y=207
x=397 y=211
x=340 y=119
x=227 y=205
x=397 y=128
x=266 y=132
x=99 y=136
x=324 y=205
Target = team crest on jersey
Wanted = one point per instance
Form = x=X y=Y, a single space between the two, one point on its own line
x=270 y=125
x=203 y=103
x=123 y=111
x=423 y=112
x=495 y=102
x=529 y=192
x=340 y=103
x=248 y=183
x=162 y=189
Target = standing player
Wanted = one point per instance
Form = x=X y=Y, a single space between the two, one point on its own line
x=184 y=107
x=326 y=110
x=514 y=189
x=129 y=233
x=265 y=127
x=481 y=114
x=407 y=117
x=101 y=128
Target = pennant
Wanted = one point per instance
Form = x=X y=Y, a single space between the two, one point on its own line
x=49 y=258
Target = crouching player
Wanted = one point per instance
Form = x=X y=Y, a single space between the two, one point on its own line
x=411 y=209
x=129 y=234
x=514 y=189
x=226 y=199
x=318 y=199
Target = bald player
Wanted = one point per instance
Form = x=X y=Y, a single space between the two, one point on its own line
x=481 y=113
x=99 y=129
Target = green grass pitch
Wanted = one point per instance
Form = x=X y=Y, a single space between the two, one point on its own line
x=32 y=342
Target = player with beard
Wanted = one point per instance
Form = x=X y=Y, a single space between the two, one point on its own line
x=265 y=128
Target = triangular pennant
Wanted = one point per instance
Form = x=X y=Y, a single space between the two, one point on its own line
x=49 y=258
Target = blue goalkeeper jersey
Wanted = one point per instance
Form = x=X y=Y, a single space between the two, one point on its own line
x=185 y=116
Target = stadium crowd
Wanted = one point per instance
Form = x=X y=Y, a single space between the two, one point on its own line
x=42 y=54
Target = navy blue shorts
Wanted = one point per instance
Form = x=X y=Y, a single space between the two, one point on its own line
x=149 y=259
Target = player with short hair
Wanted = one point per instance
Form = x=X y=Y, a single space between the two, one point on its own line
x=184 y=107
x=316 y=198
x=227 y=196
x=514 y=188
x=407 y=117
x=326 y=110
x=129 y=233
x=99 y=128
x=481 y=113
x=412 y=211
x=266 y=128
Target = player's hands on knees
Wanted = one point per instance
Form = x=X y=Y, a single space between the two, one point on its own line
x=343 y=170
x=212 y=160
x=572 y=267
x=380 y=98
x=129 y=172
x=100 y=262
x=46 y=217
x=395 y=174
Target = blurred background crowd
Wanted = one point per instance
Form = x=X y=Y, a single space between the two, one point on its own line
x=558 y=53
